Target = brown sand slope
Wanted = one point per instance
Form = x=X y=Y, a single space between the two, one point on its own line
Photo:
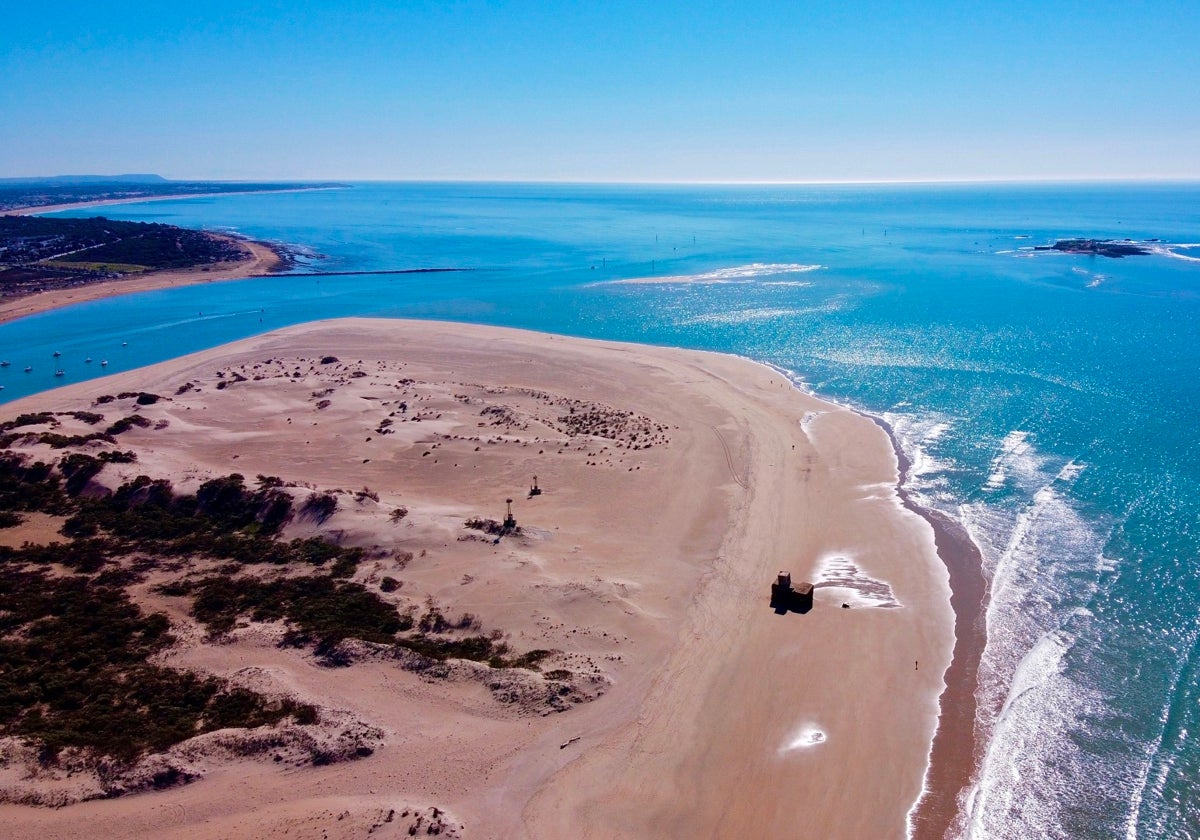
x=646 y=564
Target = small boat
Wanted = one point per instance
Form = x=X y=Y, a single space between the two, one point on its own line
x=104 y=363
x=5 y=363
x=124 y=343
x=88 y=360
x=60 y=373
x=29 y=368
x=57 y=354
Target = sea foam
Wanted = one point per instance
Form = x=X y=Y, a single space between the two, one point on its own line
x=1045 y=560
x=735 y=274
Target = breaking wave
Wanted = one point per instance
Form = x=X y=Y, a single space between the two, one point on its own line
x=1039 y=697
x=737 y=274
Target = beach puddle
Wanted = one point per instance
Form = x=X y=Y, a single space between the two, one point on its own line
x=840 y=574
x=804 y=738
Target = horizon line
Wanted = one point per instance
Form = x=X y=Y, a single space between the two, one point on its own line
x=1016 y=180
x=1181 y=179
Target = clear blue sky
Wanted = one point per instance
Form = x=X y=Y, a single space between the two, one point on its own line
x=602 y=90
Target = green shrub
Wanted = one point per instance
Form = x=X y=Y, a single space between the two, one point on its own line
x=34 y=419
x=126 y=423
x=319 y=506
x=74 y=672
x=89 y=417
x=28 y=486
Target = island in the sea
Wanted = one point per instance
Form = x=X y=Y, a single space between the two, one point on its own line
x=1114 y=248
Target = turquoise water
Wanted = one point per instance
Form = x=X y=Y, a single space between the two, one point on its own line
x=1049 y=402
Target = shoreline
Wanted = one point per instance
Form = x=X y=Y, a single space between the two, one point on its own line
x=722 y=714
x=953 y=757
x=265 y=260
x=954 y=754
x=104 y=202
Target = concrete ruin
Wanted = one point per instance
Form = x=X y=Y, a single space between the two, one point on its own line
x=788 y=598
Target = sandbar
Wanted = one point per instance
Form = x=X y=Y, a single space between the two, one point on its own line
x=645 y=564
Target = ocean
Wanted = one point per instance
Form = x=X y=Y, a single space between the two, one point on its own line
x=1048 y=402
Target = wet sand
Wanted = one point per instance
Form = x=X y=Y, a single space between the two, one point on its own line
x=955 y=754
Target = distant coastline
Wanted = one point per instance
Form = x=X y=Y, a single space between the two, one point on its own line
x=261 y=259
x=256 y=258
x=82 y=205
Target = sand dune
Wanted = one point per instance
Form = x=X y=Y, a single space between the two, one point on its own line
x=675 y=485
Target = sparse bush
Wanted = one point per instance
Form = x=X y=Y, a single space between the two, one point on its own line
x=467 y=621
x=75 y=650
x=433 y=621
x=76 y=673
x=89 y=417
x=321 y=609
x=118 y=457
x=56 y=441
x=35 y=419
x=80 y=525
x=25 y=486
x=319 y=506
x=79 y=469
x=126 y=423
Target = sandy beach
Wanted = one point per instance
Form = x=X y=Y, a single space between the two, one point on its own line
x=675 y=485
x=261 y=259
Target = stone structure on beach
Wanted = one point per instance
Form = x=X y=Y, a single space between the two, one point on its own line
x=785 y=597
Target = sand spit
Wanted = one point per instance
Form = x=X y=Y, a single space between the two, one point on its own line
x=675 y=485
x=260 y=259
x=141 y=199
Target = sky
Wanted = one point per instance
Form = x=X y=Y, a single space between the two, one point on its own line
x=603 y=91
